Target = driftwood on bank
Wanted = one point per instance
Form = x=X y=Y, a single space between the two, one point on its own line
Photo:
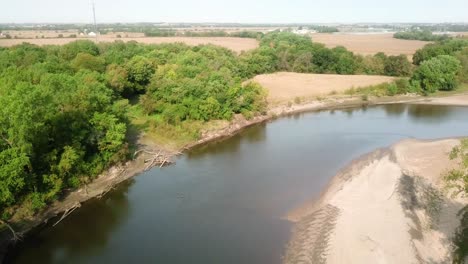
x=155 y=158
x=68 y=212
x=16 y=235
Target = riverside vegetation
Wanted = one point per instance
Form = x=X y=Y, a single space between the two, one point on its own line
x=458 y=180
x=69 y=112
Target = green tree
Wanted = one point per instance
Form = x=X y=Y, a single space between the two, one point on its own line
x=446 y=47
x=438 y=73
x=140 y=70
x=117 y=78
x=70 y=50
x=88 y=62
x=397 y=66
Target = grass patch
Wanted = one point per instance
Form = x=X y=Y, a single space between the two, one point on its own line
x=400 y=86
x=463 y=88
x=171 y=136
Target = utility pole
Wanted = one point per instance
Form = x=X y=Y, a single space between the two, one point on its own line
x=95 y=24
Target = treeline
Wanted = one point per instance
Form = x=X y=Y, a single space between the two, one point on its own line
x=324 y=29
x=444 y=27
x=210 y=33
x=442 y=65
x=424 y=35
x=283 y=51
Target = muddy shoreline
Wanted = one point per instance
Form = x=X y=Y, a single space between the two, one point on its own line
x=118 y=174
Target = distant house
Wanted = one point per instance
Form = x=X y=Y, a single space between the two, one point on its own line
x=91 y=34
x=302 y=31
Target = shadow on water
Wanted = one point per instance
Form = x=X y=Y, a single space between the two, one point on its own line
x=79 y=234
x=395 y=110
x=428 y=113
x=251 y=135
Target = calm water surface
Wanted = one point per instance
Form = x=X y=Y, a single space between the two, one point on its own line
x=224 y=202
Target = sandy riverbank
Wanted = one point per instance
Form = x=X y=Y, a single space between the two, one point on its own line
x=456 y=100
x=386 y=207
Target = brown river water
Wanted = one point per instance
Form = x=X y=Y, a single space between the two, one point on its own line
x=225 y=202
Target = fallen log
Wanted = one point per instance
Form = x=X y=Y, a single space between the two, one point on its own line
x=68 y=212
x=16 y=236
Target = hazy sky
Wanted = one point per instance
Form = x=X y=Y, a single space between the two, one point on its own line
x=245 y=11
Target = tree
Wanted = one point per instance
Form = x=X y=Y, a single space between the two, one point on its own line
x=374 y=65
x=13 y=174
x=397 y=66
x=438 y=73
x=462 y=56
x=345 y=63
x=88 y=62
x=140 y=70
x=446 y=47
x=70 y=50
x=458 y=178
x=117 y=78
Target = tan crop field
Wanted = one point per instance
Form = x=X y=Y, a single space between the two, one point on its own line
x=235 y=44
x=285 y=86
x=369 y=44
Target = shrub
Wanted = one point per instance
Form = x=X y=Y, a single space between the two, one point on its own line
x=438 y=73
x=392 y=89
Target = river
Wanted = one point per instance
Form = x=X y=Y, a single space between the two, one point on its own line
x=225 y=202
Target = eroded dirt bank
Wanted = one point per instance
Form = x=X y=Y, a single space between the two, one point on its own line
x=389 y=206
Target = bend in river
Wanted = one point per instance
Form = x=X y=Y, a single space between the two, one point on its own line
x=225 y=202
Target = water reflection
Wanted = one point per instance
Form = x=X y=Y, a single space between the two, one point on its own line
x=429 y=113
x=252 y=135
x=84 y=232
x=395 y=110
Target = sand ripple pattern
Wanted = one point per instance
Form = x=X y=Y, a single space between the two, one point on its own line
x=311 y=235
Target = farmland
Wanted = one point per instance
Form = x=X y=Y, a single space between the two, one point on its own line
x=369 y=44
x=285 y=86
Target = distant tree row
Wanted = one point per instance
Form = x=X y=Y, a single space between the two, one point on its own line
x=324 y=29
x=284 y=51
x=424 y=35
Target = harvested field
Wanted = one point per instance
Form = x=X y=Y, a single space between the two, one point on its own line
x=370 y=44
x=284 y=86
x=235 y=44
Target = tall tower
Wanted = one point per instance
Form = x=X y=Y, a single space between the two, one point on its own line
x=95 y=24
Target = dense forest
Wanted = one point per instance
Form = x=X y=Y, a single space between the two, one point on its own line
x=68 y=111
